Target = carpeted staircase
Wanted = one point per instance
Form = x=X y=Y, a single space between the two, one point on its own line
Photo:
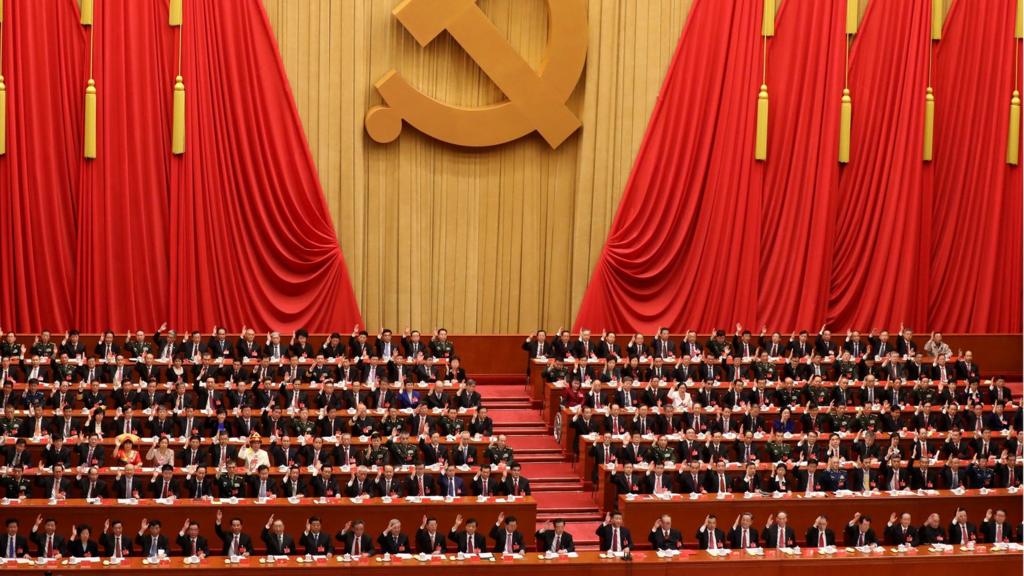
x=555 y=484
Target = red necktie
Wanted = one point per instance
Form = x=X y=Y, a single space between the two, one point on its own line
x=356 y=548
x=821 y=539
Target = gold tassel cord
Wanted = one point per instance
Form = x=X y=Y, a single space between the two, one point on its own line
x=929 y=124
x=937 y=19
x=89 y=146
x=845 y=125
x=1019 y=27
x=1013 y=140
x=761 y=144
x=178 y=127
x=174 y=13
x=768 y=18
x=852 y=16
x=87 y=11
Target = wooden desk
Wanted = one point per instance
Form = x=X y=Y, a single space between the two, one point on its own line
x=920 y=562
x=334 y=514
x=688 y=514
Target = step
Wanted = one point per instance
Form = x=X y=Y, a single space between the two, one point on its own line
x=535 y=443
x=528 y=429
x=583 y=534
x=546 y=458
x=569 y=516
x=569 y=501
x=518 y=416
x=484 y=380
x=555 y=486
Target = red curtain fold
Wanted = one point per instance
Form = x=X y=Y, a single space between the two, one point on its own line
x=875 y=243
x=43 y=50
x=798 y=207
x=976 y=254
x=683 y=250
x=251 y=236
x=880 y=262
x=236 y=231
x=122 y=254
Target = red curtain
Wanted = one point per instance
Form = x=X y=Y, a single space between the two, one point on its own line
x=251 y=236
x=976 y=213
x=683 y=249
x=235 y=231
x=42 y=57
x=880 y=262
x=800 y=240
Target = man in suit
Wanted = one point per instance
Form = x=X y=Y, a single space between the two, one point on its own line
x=484 y=485
x=293 y=485
x=55 y=487
x=516 y=484
x=428 y=539
x=859 y=531
x=198 y=486
x=191 y=543
x=128 y=485
x=387 y=485
x=420 y=483
x=507 y=539
x=778 y=533
x=360 y=486
x=743 y=533
x=262 y=486
x=164 y=486
x=115 y=542
x=995 y=528
x=314 y=541
x=899 y=531
x=709 y=535
x=450 y=485
x=392 y=540
x=325 y=485
x=48 y=543
x=819 y=535
x=554 y=538
x=663 y=536
x=150 y=540
x=91 y=486
x=12 y=544
x=628 y=481
x=536 y=345
x=613 y=535
x=354 y=539
x=276 y=541
x=960 y=530
x=468 y=541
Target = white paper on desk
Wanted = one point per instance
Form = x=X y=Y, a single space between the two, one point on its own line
x=755 y=551
x=403 y=556
x=127 y=501
x=486 y=555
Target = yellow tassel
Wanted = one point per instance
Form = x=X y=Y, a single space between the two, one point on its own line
x=178 y=126
x=174 y=15
x=1019 y=31
x=1 y=11
x=768 y=18
x=761 y=142
x=852 y=16
x=89 y=146
x=929 y=123
x=87 y=12
x=845 y=123
x=937 y=19
x=1013 y=142
x=3 y=114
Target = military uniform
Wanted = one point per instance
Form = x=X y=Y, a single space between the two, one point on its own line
x=17 y=488
x=865 y=421
x=10 y=426
x=46 y=349
x=661 y=455
x=450 y=426
x=404 y=453
x=848 y=369
x=842 y=422
x=818 y=395
x=135 y=349
x=765 y=370
x=374 y=456
x=230 y=485
x=388 y=426
x=304 y=428
x=778 y=451
x=496 y=455
x=8 y=349
x=789 y=397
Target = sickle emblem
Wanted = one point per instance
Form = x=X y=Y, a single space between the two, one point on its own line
x=536 y=99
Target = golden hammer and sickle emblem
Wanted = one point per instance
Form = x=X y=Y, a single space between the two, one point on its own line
x=536 y=99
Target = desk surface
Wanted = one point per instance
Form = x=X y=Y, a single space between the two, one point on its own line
x=916 y=562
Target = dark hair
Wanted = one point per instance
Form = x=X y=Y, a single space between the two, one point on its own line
x=509 y=520
x=11 y=521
